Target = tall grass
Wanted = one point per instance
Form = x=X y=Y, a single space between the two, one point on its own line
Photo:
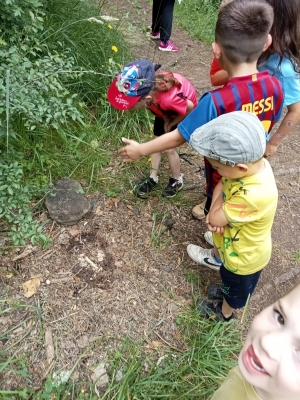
x=198 y=18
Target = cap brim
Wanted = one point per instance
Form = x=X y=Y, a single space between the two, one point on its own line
x=118 y=99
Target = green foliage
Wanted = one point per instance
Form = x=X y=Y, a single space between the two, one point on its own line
x=14 y=206
x=198 y=18
x=33 y=84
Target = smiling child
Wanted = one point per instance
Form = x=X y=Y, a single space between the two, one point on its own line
x=269 y=363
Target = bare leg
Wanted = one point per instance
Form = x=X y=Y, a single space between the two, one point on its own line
x=226 y=309
x=216 y=252
x=174 y=162
x=155 y=163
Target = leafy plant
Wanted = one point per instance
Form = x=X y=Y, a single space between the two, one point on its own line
x=14 y=206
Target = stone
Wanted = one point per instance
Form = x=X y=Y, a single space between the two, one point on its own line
x=66 y=203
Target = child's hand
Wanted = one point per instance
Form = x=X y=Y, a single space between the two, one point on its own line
x=212 y=228
x=130 y=152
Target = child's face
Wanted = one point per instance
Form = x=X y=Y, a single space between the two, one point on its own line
x=227 y=170
x=270 y=359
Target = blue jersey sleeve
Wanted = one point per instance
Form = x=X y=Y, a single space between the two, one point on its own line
x=203 y=113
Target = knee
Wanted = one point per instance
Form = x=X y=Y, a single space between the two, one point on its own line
x=170 y=152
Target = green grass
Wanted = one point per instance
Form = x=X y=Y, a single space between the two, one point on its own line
x=198 y=18
x=296 y=256
x=192 y=369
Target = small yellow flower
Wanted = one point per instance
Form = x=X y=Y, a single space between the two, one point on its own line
x=114 y=48
x=109 y=26
x=149 y=159
x=82 y=390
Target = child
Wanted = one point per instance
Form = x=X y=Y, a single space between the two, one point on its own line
x=161 y=28
x=170 y=97
x=247 y=89
x=281 y=59
x=243 y=207
x=269 y=363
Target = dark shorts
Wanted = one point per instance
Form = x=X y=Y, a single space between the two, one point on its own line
x=158 y=129
x=237 y=288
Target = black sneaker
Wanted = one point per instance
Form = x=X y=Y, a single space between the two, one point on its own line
x=144 y=186
x=212 y=310
x=213 y=292
x=173 y=187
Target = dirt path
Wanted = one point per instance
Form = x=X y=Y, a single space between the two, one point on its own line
x=143 y=272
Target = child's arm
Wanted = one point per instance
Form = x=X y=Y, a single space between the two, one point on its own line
x=220 y=78
x=169 y=122
x=216 y=216
x=134 y=150
x=215 y=224
x=288 y=123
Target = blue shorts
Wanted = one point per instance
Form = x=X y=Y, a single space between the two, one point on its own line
x=237 y=288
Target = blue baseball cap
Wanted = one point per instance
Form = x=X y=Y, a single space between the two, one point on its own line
x=136 y=80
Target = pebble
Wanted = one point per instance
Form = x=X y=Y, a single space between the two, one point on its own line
x=167 y=269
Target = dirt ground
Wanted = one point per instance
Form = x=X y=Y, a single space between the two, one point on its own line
x=121 y=271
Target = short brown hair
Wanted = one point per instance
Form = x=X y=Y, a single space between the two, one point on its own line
x=242 y=29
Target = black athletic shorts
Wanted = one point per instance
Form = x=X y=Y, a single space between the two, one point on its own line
x=237 y=288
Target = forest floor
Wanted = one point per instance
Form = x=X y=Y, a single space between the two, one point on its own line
x=144 y=276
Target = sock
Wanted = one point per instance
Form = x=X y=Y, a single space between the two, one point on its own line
x=155 y=179
x=228 y=318
x=218 y=260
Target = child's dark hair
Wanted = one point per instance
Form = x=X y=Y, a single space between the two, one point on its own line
x=242 y=29
x=285 y=32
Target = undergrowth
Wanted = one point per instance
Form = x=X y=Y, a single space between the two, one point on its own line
x=194 y=370
x=198 y=18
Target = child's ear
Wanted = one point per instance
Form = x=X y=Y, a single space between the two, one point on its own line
x=216 y=50
x=268 y=42
x=242 y=167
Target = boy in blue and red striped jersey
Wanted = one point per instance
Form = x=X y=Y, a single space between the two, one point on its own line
x=242 y=34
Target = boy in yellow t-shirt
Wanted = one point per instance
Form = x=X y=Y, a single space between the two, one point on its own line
x=243 y=208
x=269 y=363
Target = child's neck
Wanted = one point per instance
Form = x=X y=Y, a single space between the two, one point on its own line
x=268 y=396
x=244 y=69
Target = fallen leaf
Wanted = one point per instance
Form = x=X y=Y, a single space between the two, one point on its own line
x=156 y=344
x=74 y=232
x=31 y=287
x=100 y=377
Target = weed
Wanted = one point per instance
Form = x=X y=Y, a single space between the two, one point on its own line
x=296 y=256
x=198 y=18
x=158 y=230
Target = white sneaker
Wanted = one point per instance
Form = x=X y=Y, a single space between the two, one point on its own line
x=209 y=238
x=203 y=256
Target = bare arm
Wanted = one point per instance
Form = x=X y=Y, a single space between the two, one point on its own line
x=169 y=122
x=134 y=150
x=287 y=125
x=217 y=217
x=220 y=78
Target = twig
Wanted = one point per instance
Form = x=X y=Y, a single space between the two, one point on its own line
x=24 y=254
x=66 y=316
x=93 y=265
x=167 y=343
